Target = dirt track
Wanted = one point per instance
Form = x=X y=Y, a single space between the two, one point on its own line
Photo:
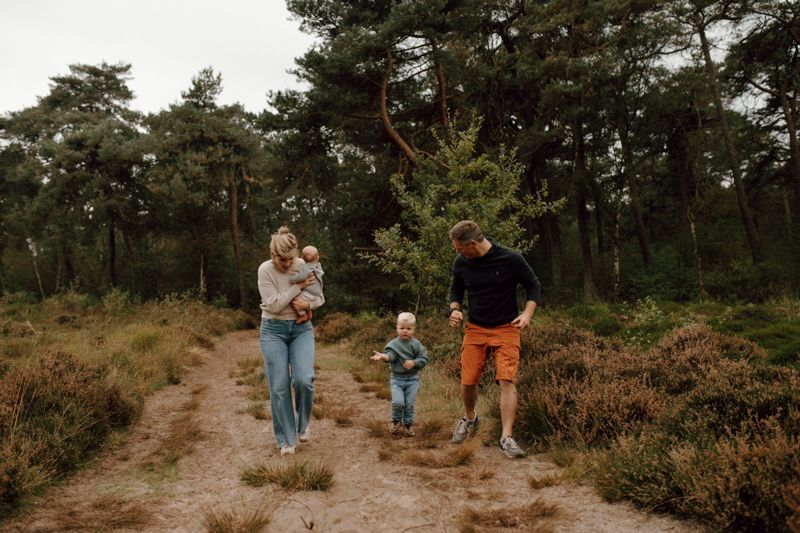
x=119 y=492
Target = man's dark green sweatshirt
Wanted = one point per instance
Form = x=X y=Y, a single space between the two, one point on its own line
x=490 y=282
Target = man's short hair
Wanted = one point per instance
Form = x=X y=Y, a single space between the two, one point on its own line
x=466 y=231
x=407 y=318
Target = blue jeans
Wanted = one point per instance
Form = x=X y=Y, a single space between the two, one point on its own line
x=404 y=393
x=288 y=350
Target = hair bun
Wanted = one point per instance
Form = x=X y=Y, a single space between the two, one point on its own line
x=283 y=230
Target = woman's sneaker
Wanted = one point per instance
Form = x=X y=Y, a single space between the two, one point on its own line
x=304 y=436
x=464 y=428
x=511 y=448
x=287 y=450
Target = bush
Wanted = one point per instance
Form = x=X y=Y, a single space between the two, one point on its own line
x=733 y=395
x=336 y=327
x=696 y=425
x=52 y=412
x=736 y=484
x=72 y=370
x=586 y=390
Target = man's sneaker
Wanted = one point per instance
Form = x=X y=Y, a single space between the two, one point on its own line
x=511 y=448
x=464 y=428
x=287 y=450
x=304 y=436
x=409 y=431
x=395 y=428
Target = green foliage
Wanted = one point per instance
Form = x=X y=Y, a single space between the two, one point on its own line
x=765 y=325
x=454 y=184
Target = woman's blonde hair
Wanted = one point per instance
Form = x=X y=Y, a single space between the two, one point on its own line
x=283 y=243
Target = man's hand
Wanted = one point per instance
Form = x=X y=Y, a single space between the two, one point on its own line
x=408 y=364
x=456 y=317
x=378 y=356
x=524 y=319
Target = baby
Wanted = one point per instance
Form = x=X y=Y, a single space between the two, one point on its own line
x=311 y=266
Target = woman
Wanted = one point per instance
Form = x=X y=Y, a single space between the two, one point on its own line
x=287 y=347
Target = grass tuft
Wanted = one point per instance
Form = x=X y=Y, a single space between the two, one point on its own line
x=234 y=522
x=381 y=390
x=532 y=516
x=298 y=475
x=547 y=480
x=458 y=456
x=103 y=514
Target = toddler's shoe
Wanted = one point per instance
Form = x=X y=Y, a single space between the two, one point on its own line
x=395 y=429
x=409 y=431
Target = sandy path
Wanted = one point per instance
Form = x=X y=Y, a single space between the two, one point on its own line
x=367 y=494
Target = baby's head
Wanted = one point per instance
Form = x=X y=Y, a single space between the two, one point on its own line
x=406 y=325
x=310 y=254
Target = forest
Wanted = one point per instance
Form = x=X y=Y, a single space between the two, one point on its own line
x=628 y=148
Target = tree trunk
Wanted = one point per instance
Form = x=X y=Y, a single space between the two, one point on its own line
x=787 y=213
x=733 y=157
x=698 y=261
x=548 y=223
x=387 y=122
x=579 y=175
x=112 y=250
x=597 y=197
x=32 y=248
x=794 y=148
x=233 y=190
x=69 y=268
x=440 y=80
x=617 y=261
x=633 y=191
x=556 y=260
x=126 y=241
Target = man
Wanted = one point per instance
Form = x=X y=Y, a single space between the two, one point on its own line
x=489 y=273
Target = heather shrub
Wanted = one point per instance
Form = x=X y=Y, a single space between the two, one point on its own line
x=582 y=389
x=733 y=395
x=641 y=468
x=73 y=369
x=679 y=362
x=697 y=425
x=52 y=412
x=738 y=483
x=336 y=327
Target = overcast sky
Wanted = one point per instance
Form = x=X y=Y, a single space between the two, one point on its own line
x=252 y=43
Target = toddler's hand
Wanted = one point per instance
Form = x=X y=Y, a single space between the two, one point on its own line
x=408 y=364
x=378 y=356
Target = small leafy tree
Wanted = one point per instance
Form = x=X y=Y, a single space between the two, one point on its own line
x=454 y=184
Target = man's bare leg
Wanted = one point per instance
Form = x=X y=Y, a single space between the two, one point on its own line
x=469 y=395
x=508 y=406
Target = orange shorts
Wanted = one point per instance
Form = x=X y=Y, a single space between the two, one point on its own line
x=504 y=343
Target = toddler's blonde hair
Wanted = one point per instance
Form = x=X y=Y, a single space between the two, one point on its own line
x=407 y=318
